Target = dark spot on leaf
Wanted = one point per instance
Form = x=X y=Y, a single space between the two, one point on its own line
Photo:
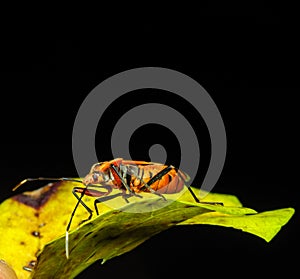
x=37 y=198
x=36 y=234
x=36 y=214
x=22 y=243
x=76 y=237
x=32 y=263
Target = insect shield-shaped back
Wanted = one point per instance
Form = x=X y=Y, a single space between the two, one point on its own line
x=135 y=180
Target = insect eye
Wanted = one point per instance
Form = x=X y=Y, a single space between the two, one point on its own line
x=95 y=175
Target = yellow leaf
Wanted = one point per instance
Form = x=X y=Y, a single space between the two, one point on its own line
x=33 y=225
x=30 y=220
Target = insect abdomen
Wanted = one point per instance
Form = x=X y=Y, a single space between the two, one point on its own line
x=171 y=182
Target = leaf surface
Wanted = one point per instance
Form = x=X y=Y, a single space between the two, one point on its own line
x=33 y=226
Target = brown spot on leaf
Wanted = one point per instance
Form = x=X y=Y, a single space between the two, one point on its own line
x=38 y=198
x=32 y=263
x=36 y=233
x=76 y=237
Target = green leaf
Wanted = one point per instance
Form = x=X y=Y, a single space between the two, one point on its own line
x=120 y=228
x=110 y=235
x=265 y=225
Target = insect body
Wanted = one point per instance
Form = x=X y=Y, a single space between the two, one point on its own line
x=137 y=176
x=130 y=177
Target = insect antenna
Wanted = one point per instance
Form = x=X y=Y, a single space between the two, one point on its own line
x=45 y=179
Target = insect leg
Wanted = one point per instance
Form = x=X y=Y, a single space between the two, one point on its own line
x=169 y=168
x=156 y=177
x=188 y=186
x=72 y=215
x=83 y=191
x=106 y=198
x=123 y=180
x=146 y=185
x=159 y=175
x=193 y=194
x=104 y=195
x=80 y=201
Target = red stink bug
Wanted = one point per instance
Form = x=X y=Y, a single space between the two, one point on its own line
x=131 y=177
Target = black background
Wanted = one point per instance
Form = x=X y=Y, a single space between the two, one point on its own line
x=246 y=59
